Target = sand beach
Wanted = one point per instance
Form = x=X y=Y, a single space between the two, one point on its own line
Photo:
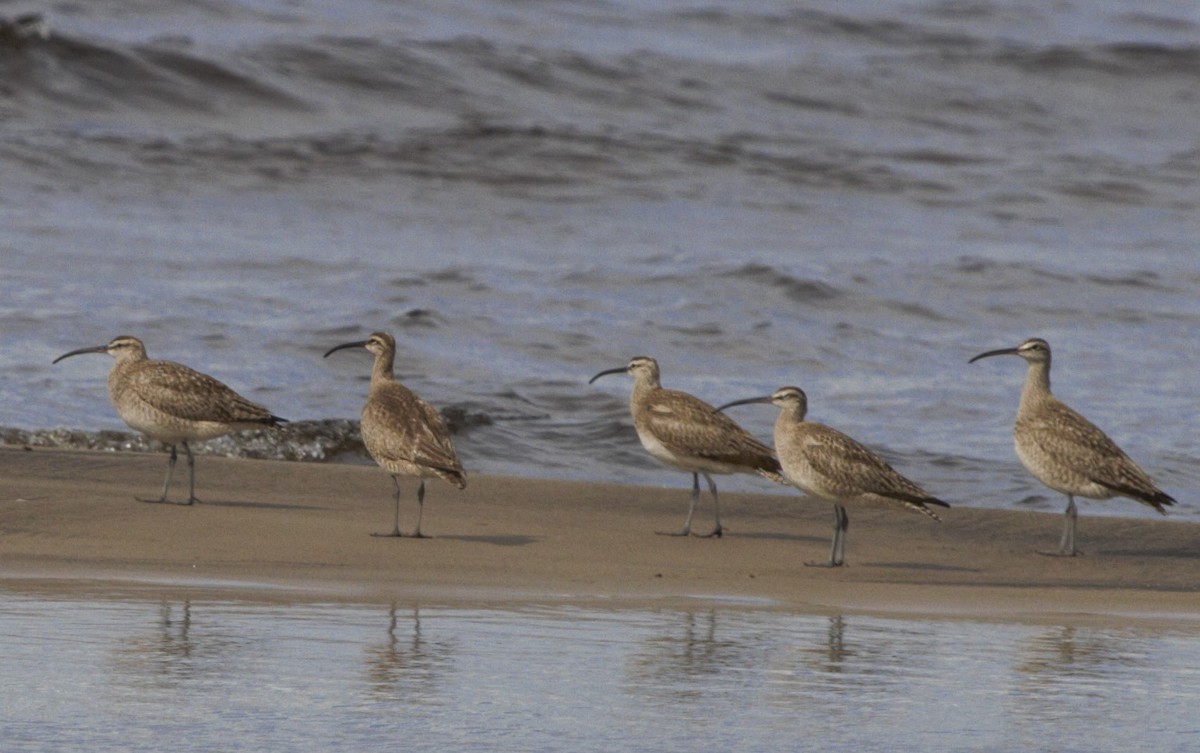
x=298 y=531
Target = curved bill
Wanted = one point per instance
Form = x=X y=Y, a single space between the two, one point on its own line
x=764 y=399
x=1000 y=352
x=621 y=370
x=343 y=346
x=81 y=351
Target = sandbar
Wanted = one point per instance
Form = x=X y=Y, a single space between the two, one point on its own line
x=301 y=531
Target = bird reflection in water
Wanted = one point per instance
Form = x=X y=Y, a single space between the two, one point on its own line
x=171 y=652
x=832 y=656
x=700 y=655
x=1068 y=653
x=165 y=652
x=407 y=665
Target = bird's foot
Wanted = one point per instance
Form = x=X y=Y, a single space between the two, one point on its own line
x=1062 y=553
x=823 y=563
x=165 y=501
x=715 y=533
x=392 y=535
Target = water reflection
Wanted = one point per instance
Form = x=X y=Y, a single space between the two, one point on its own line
x=169 y=653
x=694 y=656
x=1069 y=652
x=317 y=677
x=1070 y=682
x=813 y=656
x=833 y=655
x=840 y=667
x=407 y=666
x=1079 y=663
x=861 y=653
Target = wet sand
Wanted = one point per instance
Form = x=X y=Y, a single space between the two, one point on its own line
x=297 y=531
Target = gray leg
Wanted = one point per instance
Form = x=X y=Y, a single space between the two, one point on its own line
x=1066 y=547
x=396 y=518
x=717 y=529
x=837 y=550
x=167 y=480
x=839 y=557
x=420 y=509
x=687 y=524
x=191 y=474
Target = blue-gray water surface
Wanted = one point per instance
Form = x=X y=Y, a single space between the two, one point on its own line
x=199 y=674
x=854 y=198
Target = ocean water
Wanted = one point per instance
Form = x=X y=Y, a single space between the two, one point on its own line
x=199 y=674
x=851 y=197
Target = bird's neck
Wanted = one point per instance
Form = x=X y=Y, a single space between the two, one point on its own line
x=118 y=375
x=383 y=371
x=1037 y=385
x=644 y=388
x=785 y=421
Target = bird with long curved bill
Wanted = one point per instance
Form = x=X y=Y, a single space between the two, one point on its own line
x=404 y=434
x=686 y=433
x=825 y=463
x=174 y=404
x=1065 y=451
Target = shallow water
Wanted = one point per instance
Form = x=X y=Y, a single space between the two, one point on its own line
x=852 y=199
x=134 y=674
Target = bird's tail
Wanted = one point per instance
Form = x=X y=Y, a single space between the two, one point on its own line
x=921 y=504
x=1149 y=495
x=454 y=476
x=1159 y=500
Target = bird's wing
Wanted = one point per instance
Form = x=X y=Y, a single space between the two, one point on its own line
x=1066 y=437
x=186 y=393
x=686 y=425
x=848 y=468
x=409 y=430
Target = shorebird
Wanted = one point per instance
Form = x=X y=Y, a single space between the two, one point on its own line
x=1065 y=451
x=825 y=463
x=687 y=433
x=404 y=434
x=174 y=404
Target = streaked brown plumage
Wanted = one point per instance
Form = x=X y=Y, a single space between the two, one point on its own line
x=1065 y=451
x=825 y=463
x=402 y=432
x=172 y=403
x=685 y=432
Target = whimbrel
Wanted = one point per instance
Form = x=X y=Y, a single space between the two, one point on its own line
x=825 y=463
x=169 y=402
x=404 y=434
x=1065 y=451
x=687 y=433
